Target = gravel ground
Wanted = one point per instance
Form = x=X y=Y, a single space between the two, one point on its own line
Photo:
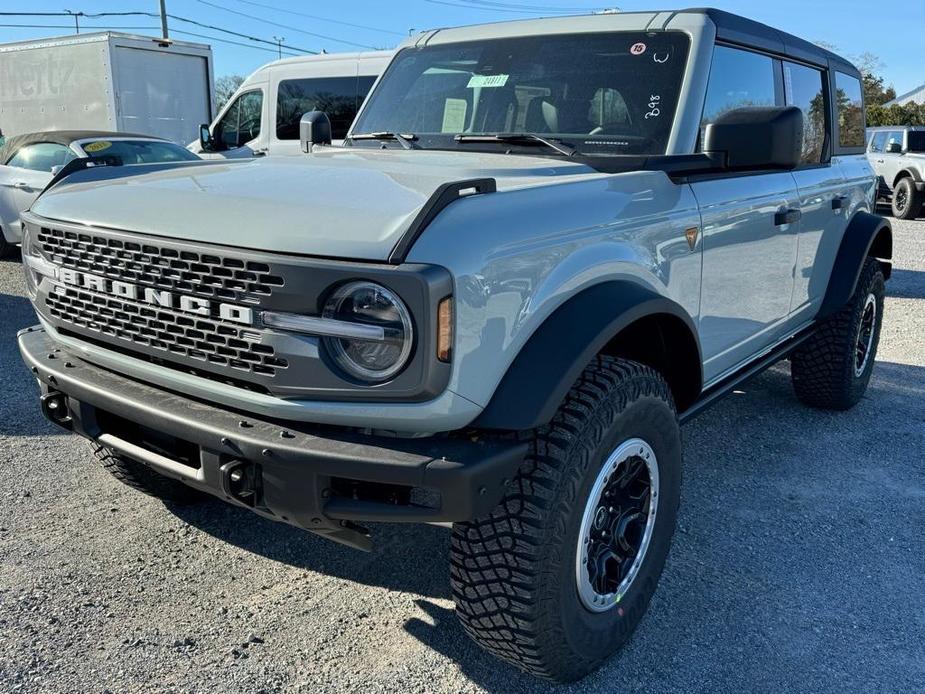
x=798 y=563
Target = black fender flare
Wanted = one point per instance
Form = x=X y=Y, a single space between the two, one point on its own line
x=867 y=235
x=908 y=172
x=554 y=356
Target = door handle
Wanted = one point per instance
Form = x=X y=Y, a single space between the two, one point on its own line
x=838 y=202
x=787 y=217
x=260 y=152
x=880 y=161
x=22 y=185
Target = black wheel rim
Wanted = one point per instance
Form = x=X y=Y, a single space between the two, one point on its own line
x=901 y=199
x=865 y=341
x=617 y=525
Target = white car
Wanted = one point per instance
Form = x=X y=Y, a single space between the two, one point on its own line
x=29 y=162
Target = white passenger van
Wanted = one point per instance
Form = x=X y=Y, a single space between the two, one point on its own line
x=262 y=117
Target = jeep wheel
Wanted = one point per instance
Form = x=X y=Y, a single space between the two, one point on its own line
x=832 y=368
x=557 y=577
x=907 y=201
x=142 y=478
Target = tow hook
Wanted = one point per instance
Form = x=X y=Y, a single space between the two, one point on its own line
x=239 y=481
x=54 y=407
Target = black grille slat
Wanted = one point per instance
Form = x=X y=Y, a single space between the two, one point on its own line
x=169 y=331
x=200 y=274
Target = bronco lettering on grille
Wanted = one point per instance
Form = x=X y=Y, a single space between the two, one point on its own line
x=157 y=297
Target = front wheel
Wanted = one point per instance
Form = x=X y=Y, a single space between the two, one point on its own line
x=558 y=576
x=907 y=200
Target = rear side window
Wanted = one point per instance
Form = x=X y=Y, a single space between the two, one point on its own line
x=916 y=140
x=339 y=97
x=738 y=79
x=850 y=107
x=41 y=156
x=804 y=88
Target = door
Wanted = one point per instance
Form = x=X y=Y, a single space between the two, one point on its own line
x=821 y=187
x=23 y=177
x=750 y=224
x=241 y=131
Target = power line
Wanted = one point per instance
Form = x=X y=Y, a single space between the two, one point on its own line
x=98 y=15
x=285 y=26
x=321 y=19
x=147 y=28
x=508 y=10
x=508 y=6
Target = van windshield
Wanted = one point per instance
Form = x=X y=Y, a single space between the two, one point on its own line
x=602 y=93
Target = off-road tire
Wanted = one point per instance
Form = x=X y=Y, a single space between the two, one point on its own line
x=823 y=369
x=140 y=477
x=513 y=572
x=907 y=201
x=6 y=248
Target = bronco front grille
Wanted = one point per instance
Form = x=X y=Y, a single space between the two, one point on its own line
x=203 y=274
x=209 y=341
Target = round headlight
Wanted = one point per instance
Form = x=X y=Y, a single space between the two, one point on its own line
x=371 y=304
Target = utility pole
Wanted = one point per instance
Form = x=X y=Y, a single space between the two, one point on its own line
x=75 y=15
x=279 y=45
x=164 y=19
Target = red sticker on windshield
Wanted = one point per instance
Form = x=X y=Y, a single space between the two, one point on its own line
x=638 y=48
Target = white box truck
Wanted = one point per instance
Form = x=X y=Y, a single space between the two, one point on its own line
x=106 y=81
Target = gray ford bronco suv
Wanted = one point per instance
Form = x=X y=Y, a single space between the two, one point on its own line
x=897 y=155
x=544 y=246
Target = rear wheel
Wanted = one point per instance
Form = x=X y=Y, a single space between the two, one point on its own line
x=140 y=477
x=832 y=368
x=558 y=576
x=907 y=200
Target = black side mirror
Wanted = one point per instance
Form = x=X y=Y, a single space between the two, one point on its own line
x=757 y=138
x=206 y=141
x=314 y=129
x=894 y=148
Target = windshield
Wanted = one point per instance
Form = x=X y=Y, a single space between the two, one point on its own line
x=916 y=140
x=604 y=93
x=138 y=151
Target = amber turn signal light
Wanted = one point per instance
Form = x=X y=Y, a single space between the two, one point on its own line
x=445 y=329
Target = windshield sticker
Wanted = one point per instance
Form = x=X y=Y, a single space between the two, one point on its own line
x=454 y=116
x=638 y=48
x=487 y=81
x=97 y=146
x=661 y=57
x=655 y=100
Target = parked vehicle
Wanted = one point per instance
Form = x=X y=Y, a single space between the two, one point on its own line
x=544 y=245
x=106 y=81
x=29 y=162
x=898 y=157
x=262 y=117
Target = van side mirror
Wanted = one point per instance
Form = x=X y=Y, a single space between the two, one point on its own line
x=756 y=138
x=314 y=129
x=206 y=141
x=894 y=148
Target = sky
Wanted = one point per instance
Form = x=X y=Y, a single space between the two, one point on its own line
x=349 y=25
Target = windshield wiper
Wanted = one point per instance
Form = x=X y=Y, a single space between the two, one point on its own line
x=406 y=140
x=521 y=139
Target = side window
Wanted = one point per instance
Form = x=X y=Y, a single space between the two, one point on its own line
x=878 y=141
x=336 y=96
x=738 y=79
x=804 y=88
x=894 y=137
x=41 y=156
x=241 y=122
x=850 y=108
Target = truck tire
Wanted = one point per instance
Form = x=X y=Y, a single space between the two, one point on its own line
x=140 y=477
x=832 y=368
x=602 y=481
x=907 y=200
x=6 y=248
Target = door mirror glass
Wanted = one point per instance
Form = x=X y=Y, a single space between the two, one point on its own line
x=206 y=143
x=755 y=138
x=314 y=129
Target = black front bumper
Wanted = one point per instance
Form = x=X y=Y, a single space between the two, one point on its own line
x=323 y=479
